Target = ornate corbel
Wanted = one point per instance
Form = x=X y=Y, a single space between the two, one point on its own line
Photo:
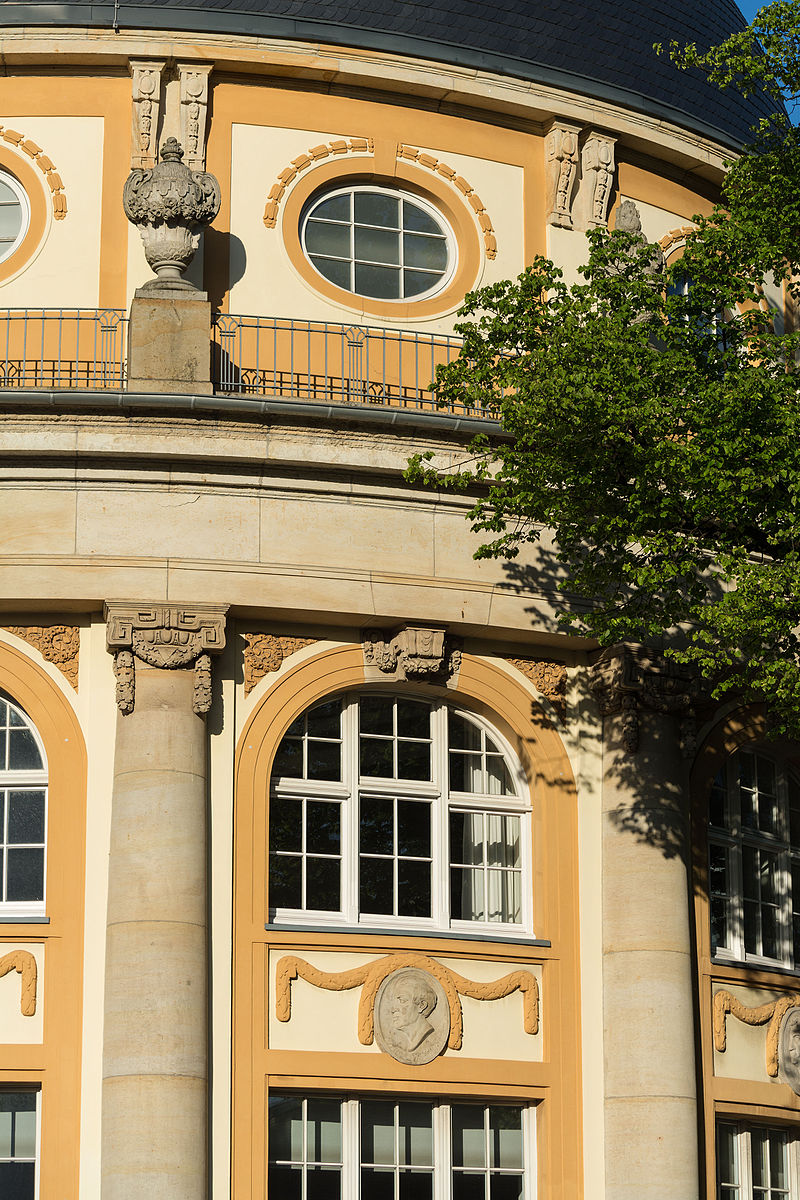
x=194 y=110
x=627 y=679
x=424 y=652
x=561 y=163
x=168 y=636
x=598 y=166
x=146 y=97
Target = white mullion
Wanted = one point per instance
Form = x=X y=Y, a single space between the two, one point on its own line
x=352 y=241
x=487 y=1152
x=352 y=815
x=529 y=1158
x=396 y=1172
x=745 y=1163
x=395 y=857
x=351 y=1148
x=304 y=1168
x=440 y=834
x=442 y=1152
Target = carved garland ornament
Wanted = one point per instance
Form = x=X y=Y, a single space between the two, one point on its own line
x=23 y=962
x=58 y=644
x=773 y=1012
x=264 y=653
x=370 y=977
x=303 y=162
x=413 y=652
x=165 y=636
x=45 y=165
x=550 y=678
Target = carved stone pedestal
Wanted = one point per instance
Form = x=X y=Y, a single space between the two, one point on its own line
x=169 y=342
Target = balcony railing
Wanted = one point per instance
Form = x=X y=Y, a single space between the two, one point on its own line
x=63 y=348
x=330 y=364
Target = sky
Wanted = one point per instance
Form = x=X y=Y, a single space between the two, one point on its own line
x=750 y=7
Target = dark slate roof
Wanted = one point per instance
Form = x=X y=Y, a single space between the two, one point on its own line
x=602 y=48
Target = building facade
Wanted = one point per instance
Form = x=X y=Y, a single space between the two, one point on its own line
x=331 y=868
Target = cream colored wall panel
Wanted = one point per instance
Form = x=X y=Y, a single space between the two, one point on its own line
x=324 y=1020
x=66 y=272
x=168 y=524
x=38 y=521
x=656 y=222
x=15 y=1027
x=569 y=250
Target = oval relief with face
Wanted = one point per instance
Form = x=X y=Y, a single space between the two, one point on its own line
x=412 y=1016
x=789 y=1049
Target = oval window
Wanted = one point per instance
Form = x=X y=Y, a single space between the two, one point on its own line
x=379 y=243
x=14 y=214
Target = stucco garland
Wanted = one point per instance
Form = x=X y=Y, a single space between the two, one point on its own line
x=23 y=962
x=336 y=148
x=773 y=1012
x=45 y=165
x=370 y=976
x=412 y=154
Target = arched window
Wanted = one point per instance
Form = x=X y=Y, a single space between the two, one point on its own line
x=14 y=214
x=754 y=860
x=23 y=810
x=397 y=809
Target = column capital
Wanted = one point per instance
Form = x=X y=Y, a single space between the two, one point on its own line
x=164 y=635
x=629 y=678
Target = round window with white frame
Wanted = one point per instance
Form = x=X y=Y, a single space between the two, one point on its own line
x=15 y=214
x=379 y=242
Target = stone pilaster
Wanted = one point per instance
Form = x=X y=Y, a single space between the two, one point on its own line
x=648 y=989
x=155 y=1055
x=561 y=171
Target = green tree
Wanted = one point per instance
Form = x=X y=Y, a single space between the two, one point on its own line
x=653 y=427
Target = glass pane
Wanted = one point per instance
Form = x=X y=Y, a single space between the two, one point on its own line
x=324 y=238
x=323 y=1183
x=377 y=1131
x=285 y=882
x=381 y=282
x=25 y=1131
x=777 y=1160
x=376 y=1185
x=17 y=1180
x=413 y=719
x=498 y=776
x=6 y=1124
x=413 y=888
x=376 y=715
x=727 y=1157
x=466 y=772
x=417 y=282
x=289 y=760
x=502 y=840
x=429 y=253
x=334 y=270
x=719 y=923
x=23 y=753
x=751 y=927
x=7 y=194
x=322 y=884
x=285 y=824
x=418 y=219
x=769 y=932
x=413 y=760
x=376 y=208
x=25 y=880
x=377 y=245
x=416 y=1185
x=376 y=886
x=758 y=1157
x=335 y=208
x=751 y=872
x=414 y=828
x=469 y=1141
x=504 y=898
x=286 y=1182
x=416 y=1135
x=505 y=1187
x=325 y=721
x=377 y=757
x=467 y=901
x=285 y=1128
x=322 y=827
x=466 y=838
x=717 y=803
x=505 y=1140
x=462 y=734
x=377 y=825
x=10 y=220
x=324 y=1131
x=26 y=816
x=469 y=1187
x=794 y=812
x=324 y=760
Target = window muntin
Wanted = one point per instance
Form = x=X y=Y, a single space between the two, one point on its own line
x=380 y=243
x=23 y=813
x=406 y=833
x=389 y=1149
x=14 y=214
x=18 y=1143
x=755 y=1163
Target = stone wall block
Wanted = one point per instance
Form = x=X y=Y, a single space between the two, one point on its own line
x=169 y=344
x=134 y=1168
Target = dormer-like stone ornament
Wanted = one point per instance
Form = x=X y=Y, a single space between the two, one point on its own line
x=170 y=205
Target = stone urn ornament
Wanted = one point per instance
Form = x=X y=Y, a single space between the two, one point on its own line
x=170 y=205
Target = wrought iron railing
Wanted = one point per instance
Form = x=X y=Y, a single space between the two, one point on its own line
x=63 y=348
x=330 y=364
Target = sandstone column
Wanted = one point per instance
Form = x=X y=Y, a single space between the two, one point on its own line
x=648 y=988
x=155 y=1057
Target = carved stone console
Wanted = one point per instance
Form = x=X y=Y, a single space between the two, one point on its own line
x=166 y=636
x=413 y=652
x=561 y=162
x=627 y=679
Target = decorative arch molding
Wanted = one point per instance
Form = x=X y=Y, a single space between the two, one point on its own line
x=45 y=164
x=675 y=239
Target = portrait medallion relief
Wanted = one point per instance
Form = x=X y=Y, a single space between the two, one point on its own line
x=789 y=1049
x=412 y=1016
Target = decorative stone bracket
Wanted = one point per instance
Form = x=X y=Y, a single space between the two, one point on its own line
x=58 y=644
x=194 y=112
x=550 y=678
x=413 y=652
x=773 y=1013
x=23 y=962
x=166 y=636
x=146 y=77
x=579 y=167
x=264 y=653
x=370 y=976
x=626 y=679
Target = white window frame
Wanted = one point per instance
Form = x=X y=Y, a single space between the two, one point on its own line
x=399 y=194
x=36 y=781
x=744 y=1189
x=16 y=1089
x=8 y=248
x=442 y=1172
x=733 y=837
x=349 y=793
